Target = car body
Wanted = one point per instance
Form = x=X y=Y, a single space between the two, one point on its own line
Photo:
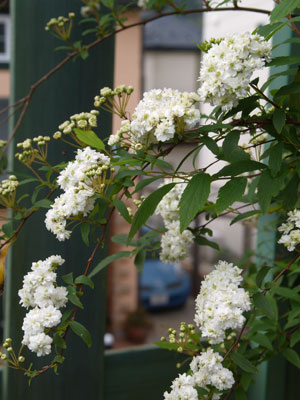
x=163 y=286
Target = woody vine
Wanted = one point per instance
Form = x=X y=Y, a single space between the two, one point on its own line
x=241 y=325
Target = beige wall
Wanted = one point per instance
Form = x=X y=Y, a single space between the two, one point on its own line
x=123 y=286
x=4 y=83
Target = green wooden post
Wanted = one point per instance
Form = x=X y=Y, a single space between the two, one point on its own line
x=271 y=379
x=69 y=91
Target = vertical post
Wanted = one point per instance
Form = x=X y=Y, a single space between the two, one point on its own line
x=70 y=90
x=271 y=379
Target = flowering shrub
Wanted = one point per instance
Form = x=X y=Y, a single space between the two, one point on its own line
x=254 y=139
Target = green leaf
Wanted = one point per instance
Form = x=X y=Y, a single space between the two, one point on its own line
x=201 y=391
x=202 y=241
x=144 y=182
x=122 y=238
x=85 y=231
x=210 y=144
x=244 y=215
x=147 y=208
x=193 y=198
x=246 y=380
x=295 y=338
x=287 y=293
x=261 y=302
x=286 y=90
x=284 y=60
x=232 y=191
x=263 y=340
x=59 y=341
x=72 y=296
x=240 y=394
x=275 y=158
x=44 y=203
x=82 y=332
x=120 y=206
x=267 y=188
x=90 y=138
x=104 y=263
x=128 y=172
x=283 y=9
x=263 y=271
x=278 y=119
x=240 y=167
x=289 y=194
x=140 y=260
x=231 y=151
x=7 y=228
x=292 y=357
x=68 y=278
x=84 y=280
x=243 y=363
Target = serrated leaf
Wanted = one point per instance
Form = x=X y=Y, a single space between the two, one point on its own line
x=90 y=138
x=68 y=278
x=275 y=158
x=263 y=340
x=147 y=208
x=292 y=357
x=72 y=296
x=231 y=151
x=193 y=199
x=210 y=144
x=84 y=280
x=85 y=231
x=82 y=332
x=292 y=88
x=289 y=194
x=283 y=9
x=140 y=260
x=202 y=241
x=278 y=119
x=295 y=338
x=120 y=206
x=244 y=215
x=232 y=191
x=104 y=263
x=239 y=167
x=261 y=302
x=287 y=293
x=284 y=60
x=243 y=363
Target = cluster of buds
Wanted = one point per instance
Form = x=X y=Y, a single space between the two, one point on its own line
x=91 y=7
x=181 y=337
x=8 y=191
x=97 y=176
x=61 y=27
x=29 y=153
x=84 y=120
x=114 y=101
x=10 y=356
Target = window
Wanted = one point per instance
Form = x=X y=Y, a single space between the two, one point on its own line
x=4 y=38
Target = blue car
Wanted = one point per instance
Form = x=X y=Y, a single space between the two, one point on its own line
x=163 y=285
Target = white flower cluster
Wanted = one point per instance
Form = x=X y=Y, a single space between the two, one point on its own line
x=40 y=292
x=291 y=231
x=78 y=188
x=206 y=369
x=227 y=67
x=84 y=120
x=221 y=302
x=8 y=186
x=174 y=245
x=158 y=117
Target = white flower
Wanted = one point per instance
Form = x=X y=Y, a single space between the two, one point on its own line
x=78 y=191
x=182 y=389
x=40 y=344
x=221 y=302
x=207 y=369
x=227 y=67
x=291 y=231
x=158 y=117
